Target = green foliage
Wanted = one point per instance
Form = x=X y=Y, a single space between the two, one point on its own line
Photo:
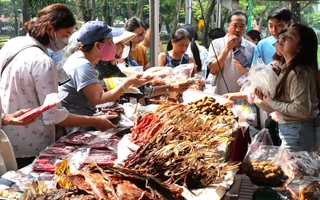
x=165 y=37
x=36 y=5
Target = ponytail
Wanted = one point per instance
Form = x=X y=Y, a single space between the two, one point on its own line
x=196 y=54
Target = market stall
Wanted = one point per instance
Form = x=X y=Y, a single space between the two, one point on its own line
x=166 y=151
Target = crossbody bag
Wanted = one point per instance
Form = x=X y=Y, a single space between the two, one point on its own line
x=14 y=55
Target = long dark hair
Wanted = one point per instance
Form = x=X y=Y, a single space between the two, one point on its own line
x=194 y=47
x=178 y=35
x=134 y=23
x=57 y=15
x=255 y=35
x=305 y=60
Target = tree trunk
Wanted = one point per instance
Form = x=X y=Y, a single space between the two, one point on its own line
x=261 y=20
x=93 y=8
x=79 y=10
x=139 y=9
x=105 y=11
x=129 y=9
x=207 y=20
x=25 y=15
x=14 y=10
x=295 y=9
x=167 y=23
x=176 y=15
x=114 y=9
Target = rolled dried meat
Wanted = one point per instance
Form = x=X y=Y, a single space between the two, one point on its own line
x=35 y=112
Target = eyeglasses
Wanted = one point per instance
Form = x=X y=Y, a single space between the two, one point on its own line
x=141 y=34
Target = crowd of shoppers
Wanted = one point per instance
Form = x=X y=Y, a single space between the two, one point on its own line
x=32 y=73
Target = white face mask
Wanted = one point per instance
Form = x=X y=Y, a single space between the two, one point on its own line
x=57 y=44
x=125 y=52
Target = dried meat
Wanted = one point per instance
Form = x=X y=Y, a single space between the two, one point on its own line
x=45 y=163
x=60 y=148
x=101 y=157
x=79 y=138
x=106 y=144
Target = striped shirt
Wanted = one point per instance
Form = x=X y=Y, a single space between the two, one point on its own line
x=230 y=73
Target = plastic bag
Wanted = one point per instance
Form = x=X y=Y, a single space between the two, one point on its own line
x=300 y=164
x=261 y=138
x=310 y=189
x=50 y=101
x=260 y=76
x=262 y=167
x=245 y=115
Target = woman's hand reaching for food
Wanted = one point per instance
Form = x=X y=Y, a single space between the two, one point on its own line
x=137 y=80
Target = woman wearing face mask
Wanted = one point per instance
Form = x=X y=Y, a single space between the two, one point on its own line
x=32 y=75
x=84 y=89
x=112 y=68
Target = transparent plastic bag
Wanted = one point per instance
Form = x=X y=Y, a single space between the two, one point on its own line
x=245 y=115
x=260 y=76
x=261 y=138
x=263 y=168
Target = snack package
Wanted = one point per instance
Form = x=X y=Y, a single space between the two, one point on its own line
x=114 y=82
x=79 y=138
x=45 y=163
x=50 y=101
x=310 y=190
x=300 y=164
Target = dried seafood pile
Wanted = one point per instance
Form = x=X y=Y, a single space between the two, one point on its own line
x=183 y=147
x=105 y=183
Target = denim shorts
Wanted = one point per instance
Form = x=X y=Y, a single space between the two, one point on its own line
x=298 y=136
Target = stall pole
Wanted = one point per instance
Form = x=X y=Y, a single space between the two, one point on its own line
x=154 y=28
x=188 y=11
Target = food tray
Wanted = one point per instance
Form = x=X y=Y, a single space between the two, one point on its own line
x=263 y=183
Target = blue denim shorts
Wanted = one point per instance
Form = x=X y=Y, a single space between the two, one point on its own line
x=298 y=136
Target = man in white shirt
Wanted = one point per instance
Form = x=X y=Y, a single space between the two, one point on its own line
x=222 y=63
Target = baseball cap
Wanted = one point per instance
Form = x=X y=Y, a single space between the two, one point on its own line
x=93 y=31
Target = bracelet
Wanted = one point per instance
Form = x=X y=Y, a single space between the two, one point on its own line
x=124 y=89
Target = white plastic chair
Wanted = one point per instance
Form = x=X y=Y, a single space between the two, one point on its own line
x=7 y=158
